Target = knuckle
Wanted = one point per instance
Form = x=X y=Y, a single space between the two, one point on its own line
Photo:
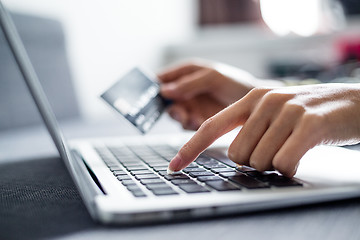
x=271 y=99
x=257 y=92
x=292 y=107
x=255 y=95
x=210 y=78
x=312 y=124
x=207 y=125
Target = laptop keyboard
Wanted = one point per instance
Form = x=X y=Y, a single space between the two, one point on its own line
x=143 y=171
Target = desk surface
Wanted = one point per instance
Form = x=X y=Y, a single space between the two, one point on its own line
x=39 y=200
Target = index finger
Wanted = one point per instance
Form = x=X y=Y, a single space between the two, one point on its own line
x=213 y=128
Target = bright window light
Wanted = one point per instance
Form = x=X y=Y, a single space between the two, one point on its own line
x=301 y=17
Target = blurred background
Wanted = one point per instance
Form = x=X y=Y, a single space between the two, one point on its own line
x=80 y=47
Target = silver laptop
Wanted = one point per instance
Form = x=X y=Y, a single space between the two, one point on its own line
x=124 y=180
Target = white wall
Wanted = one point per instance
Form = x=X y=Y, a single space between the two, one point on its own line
x=107 y=37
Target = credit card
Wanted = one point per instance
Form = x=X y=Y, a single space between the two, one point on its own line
x=137 y=97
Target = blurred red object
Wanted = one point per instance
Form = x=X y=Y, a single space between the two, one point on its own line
x=349 y=49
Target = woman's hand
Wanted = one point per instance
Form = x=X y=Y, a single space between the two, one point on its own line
x=280 y=126
x=200 y=90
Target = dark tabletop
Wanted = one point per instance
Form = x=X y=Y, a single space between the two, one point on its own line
x=38 y=200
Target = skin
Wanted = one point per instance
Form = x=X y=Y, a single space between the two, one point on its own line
x=279 y=124
x=201 y=89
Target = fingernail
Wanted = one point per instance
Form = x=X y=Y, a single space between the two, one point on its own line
x=174 y=165
x=169 y=172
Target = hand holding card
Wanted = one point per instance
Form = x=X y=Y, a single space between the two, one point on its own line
x=137 y=97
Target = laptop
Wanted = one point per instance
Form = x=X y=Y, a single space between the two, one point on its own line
x=124 y=180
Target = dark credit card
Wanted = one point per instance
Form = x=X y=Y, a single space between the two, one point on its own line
x=137 y=97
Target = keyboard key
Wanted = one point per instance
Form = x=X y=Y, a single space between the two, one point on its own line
x=151 y=180
x=262 y=176
x=222 y=185
x=147 y=155
x=227 y=162
x=168 y=157
x=163 y=191
x=159 y=164
x=160 y=148
x=110 y=164
x=168 y=154
x=133 y=187
x=209 y=178
x=198 y=174
x=230 y=174
x=153 y=159
x=221 y=170
x=256 y=174
x=119 y=149
x=214 y=165
x=138 y=193
x=188 y=170
x=140 y=172
x=205 y=160
x=136 y=167
x=274 y=179
x=115 y=168
x=152 y=186
x=123 y=177
x=146 y=176
x=119 y=172
x=129 y=159
x=162 y=172
x=128 y=182
x=281 y=181
x=247 y=182
x=245 y=169
x=133 y=166
x=193 y=188
x=160 y=168
x=182 y=181
x=133 y=160
x=176 y=176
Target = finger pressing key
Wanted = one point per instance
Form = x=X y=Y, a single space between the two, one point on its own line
x=210 y=130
